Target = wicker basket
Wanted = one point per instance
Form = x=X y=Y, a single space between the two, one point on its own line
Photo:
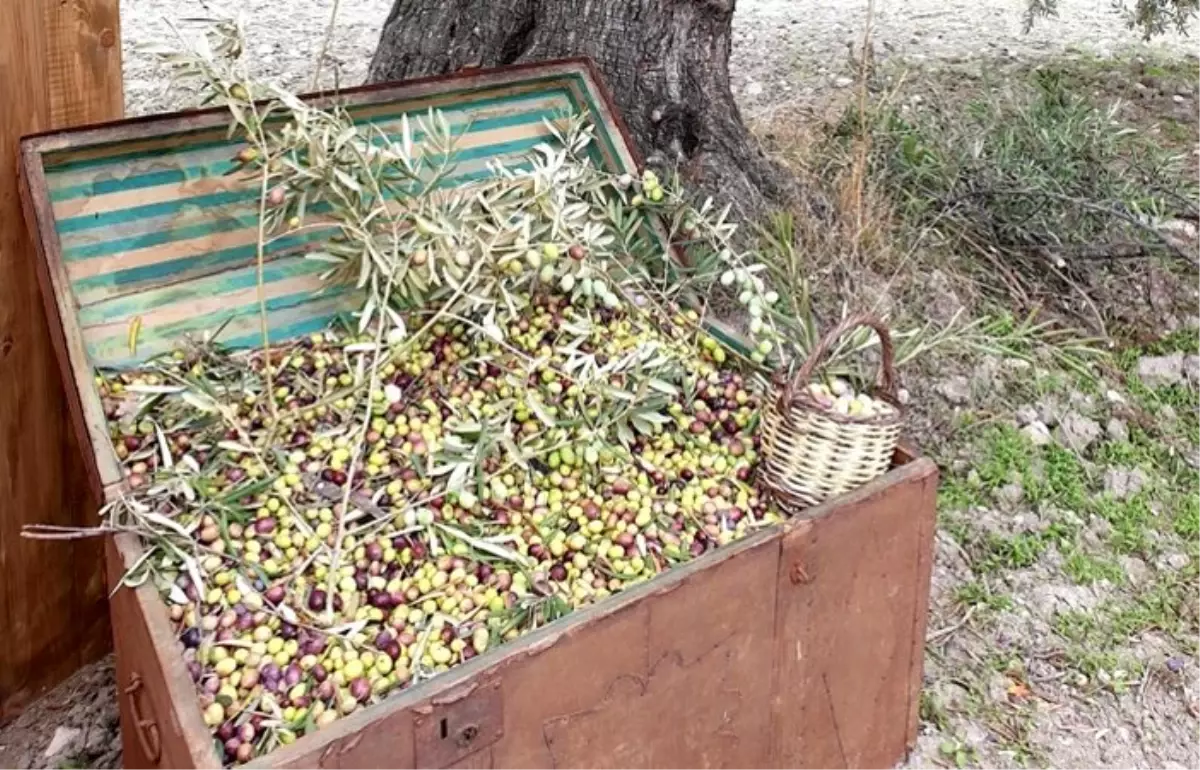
x=811 y=453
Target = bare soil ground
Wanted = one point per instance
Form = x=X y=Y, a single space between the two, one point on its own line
x=1064 y=618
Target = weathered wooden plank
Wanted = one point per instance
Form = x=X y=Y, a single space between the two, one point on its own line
x=59 y=64
x=161 y=725
x=851 y=603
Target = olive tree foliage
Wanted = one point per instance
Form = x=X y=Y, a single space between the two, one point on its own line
x=1151 y=17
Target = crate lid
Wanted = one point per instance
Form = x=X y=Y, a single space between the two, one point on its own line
x=145 y=236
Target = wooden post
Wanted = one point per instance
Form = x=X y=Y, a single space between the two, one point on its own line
x=60 y=65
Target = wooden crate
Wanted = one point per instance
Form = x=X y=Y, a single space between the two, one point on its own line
x=799 y=646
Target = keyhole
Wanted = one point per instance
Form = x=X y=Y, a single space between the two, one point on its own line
x=467 y=734
x=445 y=731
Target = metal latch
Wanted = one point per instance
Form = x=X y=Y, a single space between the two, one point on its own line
x=458 y=724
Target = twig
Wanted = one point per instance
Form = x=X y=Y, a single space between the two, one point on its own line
x=333 y=14
x=951 y=629
x=1086 y=204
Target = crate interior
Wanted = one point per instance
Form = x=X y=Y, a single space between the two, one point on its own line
x=159 y=232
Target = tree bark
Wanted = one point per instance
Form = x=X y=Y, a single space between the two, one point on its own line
x=665 y=61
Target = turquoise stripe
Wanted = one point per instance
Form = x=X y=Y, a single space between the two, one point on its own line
x=221 y=168
x=212 y=320
x=226 y=223
x=149 y=210
x=126 y=307
x=75 y=165
x=307 y=326
x=249 y=219
x=235 y=254
x=152 y=179
x=159 y=270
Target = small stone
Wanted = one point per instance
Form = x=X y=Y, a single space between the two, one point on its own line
x=1121 y=483
x=843 y=82
x=1172 y=561
x=1010 y=494
x=754 y=88
x=1113 y=397
x=1049 y=411
x=1158 y=371
x=1135 y=569
x=1026 y=415
x=997 y=688
x=1077 y=433
x=1177 y=99
x=956 y=390
x=1037 y=433
x=1175 y=664
x=975 y=736
x=96 y=741
x=1116 y=430
x=64 y=738
x=1191 y=370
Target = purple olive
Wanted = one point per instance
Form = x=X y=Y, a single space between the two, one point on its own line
x=190 y=637
x=292 y=675
x=558 y=572
x=374 y=551
x=360 y=689
x=317 y=600
x=275 y=594
x=264 y=526
x=232 y=745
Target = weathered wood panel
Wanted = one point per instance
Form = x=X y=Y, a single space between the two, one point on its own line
x=853 y=591
x=161 y=724
x=59 y=65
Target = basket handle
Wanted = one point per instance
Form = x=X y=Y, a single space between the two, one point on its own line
x=886 y=380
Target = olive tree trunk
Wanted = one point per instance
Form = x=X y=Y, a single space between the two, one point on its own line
x=665 y=61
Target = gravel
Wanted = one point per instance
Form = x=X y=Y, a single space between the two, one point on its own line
x=801 y=48
x=783 y=50
x=282 y=42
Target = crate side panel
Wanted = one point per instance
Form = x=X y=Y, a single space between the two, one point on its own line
x=680 y=679
x=160 y=723
x=853 y=591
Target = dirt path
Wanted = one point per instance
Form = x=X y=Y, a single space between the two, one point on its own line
x=800 y=48
x=783 y=49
